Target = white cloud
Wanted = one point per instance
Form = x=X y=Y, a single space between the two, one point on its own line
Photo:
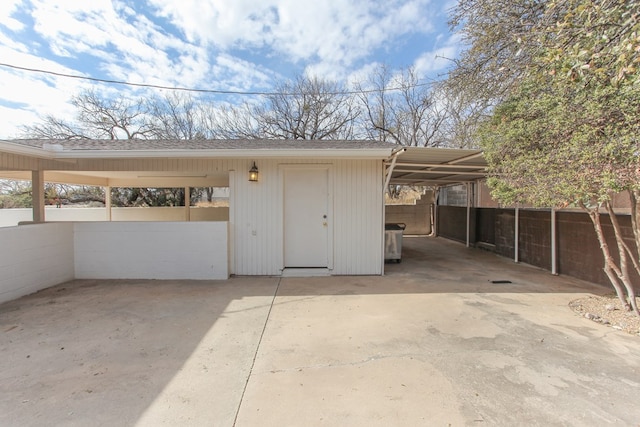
x=337 y=32
x=440 y=58
x=35 y=96
x=13 y=119
x=7 y=7
x=240 y=75
x=329 y=36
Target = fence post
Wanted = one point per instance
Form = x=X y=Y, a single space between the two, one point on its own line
x=516 y=245
x=554 y=263
x=468 y=214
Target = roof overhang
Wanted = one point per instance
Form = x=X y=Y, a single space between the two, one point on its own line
x=72 y=150
x=437 y=166
x=405 y=165
x=75 y=151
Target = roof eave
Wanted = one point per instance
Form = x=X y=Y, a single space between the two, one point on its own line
x=223 y=153
x=24 y=150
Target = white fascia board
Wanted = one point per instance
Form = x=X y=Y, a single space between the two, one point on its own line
x=223 y=153
x=12 y=148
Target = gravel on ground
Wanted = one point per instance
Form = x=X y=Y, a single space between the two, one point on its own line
x=607 y=310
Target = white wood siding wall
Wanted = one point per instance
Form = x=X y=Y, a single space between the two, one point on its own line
x=357 y=217
x=359 y=227
x=257 y=240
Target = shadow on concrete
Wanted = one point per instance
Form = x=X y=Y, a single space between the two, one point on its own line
x=436 y=265
x=130 y=352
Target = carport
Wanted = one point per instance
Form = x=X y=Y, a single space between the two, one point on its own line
x=266 y=232
x=437 y=167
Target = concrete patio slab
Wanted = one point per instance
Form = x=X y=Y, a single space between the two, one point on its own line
x=433 y=342
x=123 y=353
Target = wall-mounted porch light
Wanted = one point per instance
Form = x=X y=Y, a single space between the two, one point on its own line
x=253 y=173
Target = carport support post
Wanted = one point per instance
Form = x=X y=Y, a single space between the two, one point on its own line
x=37 y=195
x=107 y=201
x=554 y=263
x=187 y=204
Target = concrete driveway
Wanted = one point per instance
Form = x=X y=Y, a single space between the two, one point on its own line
x=433 y=342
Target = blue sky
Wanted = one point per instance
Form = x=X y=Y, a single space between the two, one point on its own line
x=236 y=45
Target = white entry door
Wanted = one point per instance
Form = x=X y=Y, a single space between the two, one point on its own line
x=306 y=217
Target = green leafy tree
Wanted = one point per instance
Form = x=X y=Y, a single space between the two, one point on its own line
x=567 y=130
x=499 y=41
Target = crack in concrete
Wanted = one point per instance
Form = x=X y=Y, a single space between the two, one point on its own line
x=255 y=355
x=416 y=356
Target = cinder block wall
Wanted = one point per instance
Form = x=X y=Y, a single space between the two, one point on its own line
x=452 y=223
x=416 y=217
x=38 y=256
x=151 y=250
x=34 y=257
x=578 y=250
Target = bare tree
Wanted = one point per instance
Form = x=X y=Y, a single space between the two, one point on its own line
x=462 y=116
x=176 y=116
x=113 y=119
x=232 y=122
x=306 y=108
x=96 y=117
x=400 y=109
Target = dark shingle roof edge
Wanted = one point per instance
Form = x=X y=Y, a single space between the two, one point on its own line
x=197 y=144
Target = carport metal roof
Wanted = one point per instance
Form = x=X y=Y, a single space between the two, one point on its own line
x=436 y=166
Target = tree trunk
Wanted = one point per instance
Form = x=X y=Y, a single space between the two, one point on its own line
x=622 y=251
x=609 y=263
x=634 y=196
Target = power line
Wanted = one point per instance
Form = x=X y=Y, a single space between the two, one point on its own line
x=187 y=89
x=120 y=82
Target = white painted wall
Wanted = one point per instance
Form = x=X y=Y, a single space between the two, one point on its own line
x=151 y=250
x=11 y=217
x=170 y=214
x=34 y=257
x=37 y=256
x=52 y=214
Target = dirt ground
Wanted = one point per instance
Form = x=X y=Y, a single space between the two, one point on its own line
x=607 y=310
